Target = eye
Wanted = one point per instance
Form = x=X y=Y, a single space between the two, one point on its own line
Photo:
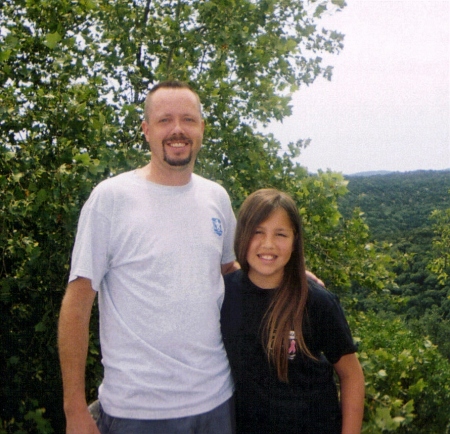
x=281 y=234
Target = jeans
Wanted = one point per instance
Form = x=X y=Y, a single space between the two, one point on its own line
x=220 y=420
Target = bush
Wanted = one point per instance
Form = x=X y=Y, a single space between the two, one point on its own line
x=407 y=379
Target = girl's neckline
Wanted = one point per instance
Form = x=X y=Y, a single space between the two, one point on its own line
x=255 y=286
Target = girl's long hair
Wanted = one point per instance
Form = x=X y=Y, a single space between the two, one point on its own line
x=287 y=308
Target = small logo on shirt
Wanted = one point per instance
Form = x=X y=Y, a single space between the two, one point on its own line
x=292 y=348
x=217 y=226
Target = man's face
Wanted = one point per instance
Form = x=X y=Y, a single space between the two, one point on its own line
x=174 y=129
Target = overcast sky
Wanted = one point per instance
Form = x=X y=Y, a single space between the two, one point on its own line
x=388 y=104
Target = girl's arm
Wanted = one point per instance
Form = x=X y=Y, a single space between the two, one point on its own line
x=351 y=380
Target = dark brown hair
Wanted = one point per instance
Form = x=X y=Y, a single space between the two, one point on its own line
x=287 y=309
x=170 y=84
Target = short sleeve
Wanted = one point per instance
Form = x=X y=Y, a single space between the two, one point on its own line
x=332 y=335
x=90 y=252
x=228 y=247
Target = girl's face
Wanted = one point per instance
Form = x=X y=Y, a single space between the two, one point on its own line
x=270 y=250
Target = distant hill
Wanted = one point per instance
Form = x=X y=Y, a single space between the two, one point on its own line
x=397 y=207
x=398 y=202
x=373 y=173
x=389 y=172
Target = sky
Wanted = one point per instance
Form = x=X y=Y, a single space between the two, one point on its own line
x=387 y=106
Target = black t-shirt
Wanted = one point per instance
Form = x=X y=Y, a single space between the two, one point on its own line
x=308 y=403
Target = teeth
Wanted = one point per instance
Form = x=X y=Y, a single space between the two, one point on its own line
x=177 y=145
x=267 y=257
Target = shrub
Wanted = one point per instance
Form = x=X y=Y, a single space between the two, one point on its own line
x=407 y=379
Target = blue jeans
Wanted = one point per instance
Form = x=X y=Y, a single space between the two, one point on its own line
x=220 y=420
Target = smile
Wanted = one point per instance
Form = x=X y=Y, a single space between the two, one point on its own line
x=177 y=142
x=267 y=257
x=177 y=145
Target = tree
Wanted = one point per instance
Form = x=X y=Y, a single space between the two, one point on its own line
x=73 y=76
x=407 y=379
x=440 y=263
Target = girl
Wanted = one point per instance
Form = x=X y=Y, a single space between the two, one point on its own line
x=286 y=335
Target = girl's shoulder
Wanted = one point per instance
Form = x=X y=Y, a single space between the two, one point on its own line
x=231 y=310
x=235 y=286
x=320 y=297
x=233 y=279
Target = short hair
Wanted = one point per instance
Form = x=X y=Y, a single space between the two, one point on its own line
x=169 y=84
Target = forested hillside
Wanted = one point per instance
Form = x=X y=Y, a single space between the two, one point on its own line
x=397 y=203
x=397 y=208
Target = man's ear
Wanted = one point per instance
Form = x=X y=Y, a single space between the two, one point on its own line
x=144 y=126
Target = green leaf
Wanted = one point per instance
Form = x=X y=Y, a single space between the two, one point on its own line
x=52 y=39
x=83 y=159
x=382 y=373
x=417 y=387
x=340 y=3
x=40 y=327
x=4 y=55
x=17 y=177
x=41 y=196
x=14 y=360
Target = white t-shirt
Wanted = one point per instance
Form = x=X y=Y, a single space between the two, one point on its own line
x=153 y=253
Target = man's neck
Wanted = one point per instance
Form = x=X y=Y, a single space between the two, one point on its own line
x=174 y=177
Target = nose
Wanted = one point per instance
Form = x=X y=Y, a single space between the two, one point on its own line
x=177 y=127
x=268 y=241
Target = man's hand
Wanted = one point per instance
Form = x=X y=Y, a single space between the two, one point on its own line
x=73 y=341
x=314 y=277
x=81 y=423
x=229 y=267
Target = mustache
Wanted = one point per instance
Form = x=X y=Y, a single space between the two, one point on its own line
x=177 y=137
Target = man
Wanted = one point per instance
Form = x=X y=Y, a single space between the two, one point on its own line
x=153 y=243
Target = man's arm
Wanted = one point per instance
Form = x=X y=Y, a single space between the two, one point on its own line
x=73 y=341
x=314 y=278
x=230 y=267
x=351 y=379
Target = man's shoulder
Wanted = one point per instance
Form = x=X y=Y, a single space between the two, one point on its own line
x=118 y=179
x=106 y=192
x=114 y=184
x=208 y=184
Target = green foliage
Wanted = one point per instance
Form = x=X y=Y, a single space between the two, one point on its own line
x=397 y=203
x=398 y=207
x=407 y=379
x=440 y=264
x=72 y=79
x=339 y=249
x=73 y=76
x=33 y=421
x=404 y=329
x=435 y=325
